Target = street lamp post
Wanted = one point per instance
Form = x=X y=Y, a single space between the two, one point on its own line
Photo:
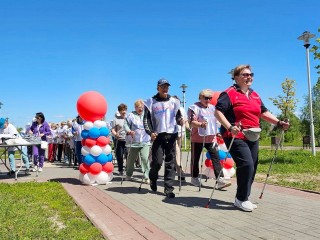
x=305 y=37
x=183 y=86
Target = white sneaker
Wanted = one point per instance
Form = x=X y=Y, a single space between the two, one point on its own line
x=195 y=181
x=222 y=183
x=245 y=205
x=147 y=180
x=40 y=169
x=34 y=169
x=254 y=206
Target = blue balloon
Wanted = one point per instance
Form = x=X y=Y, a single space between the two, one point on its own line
x=110 y=157
x=84 y=133
x=208 y=155
x=229 y=155
x=222 y=154
x=89 y=159
x=104 y=131
x=94 y=132
x=102 y=158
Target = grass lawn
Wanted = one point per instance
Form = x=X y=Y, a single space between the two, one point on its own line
x=42 y=211
x=291 y=168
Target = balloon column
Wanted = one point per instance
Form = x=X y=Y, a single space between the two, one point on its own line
x=226 y=161
x=97 y=164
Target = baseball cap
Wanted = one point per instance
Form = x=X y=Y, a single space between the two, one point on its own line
x=2 y=121
x=163 y=81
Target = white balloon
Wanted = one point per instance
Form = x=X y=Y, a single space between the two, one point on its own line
x=86 y=179
x=107 y=149
x=209 y=172
x=223 y=147
x=81 y=177
x=95 y=150
x=110 y=177
x=100 y=124
x=92 y=178
x=228 y=173
x=87 y=125
x=102 y=177
x=85 y=150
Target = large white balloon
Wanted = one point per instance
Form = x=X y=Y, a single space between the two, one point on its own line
x=209 y=172
x=87 y=179
x=100 y=124
x=88 y=125
x=228 y=173
x=107 y=149
x=110 y=177
x=95 y=150
x=102 y=177
x=85 y=150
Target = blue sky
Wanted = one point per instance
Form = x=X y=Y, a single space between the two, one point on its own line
x=53 y=51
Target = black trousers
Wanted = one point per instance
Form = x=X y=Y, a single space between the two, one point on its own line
x=196 y=149
x=164 y=147
x=120 y=151
x=245 y=155
x=60 y=150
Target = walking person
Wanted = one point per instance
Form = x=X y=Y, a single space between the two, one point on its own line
x=162 y=115
x=39 y=128
x=8 y=128
x=240 y=108
x=120 y=136
x=204 y=130
x=138 y=141
x=77 y=129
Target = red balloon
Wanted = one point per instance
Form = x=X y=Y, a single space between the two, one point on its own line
x=220 y=140
x=95 y=168
x=90 y=142
x=229 y=163
x=83 y=142
x=215 y=97
x=208 y=163
x=92 y=106
x=84 y=168
x=108 y=167
x=103 y=141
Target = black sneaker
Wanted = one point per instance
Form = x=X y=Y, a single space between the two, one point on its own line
x=169 y=193
x=27 y=171
x=153 y=185
x=183 y=178
x=11 y=172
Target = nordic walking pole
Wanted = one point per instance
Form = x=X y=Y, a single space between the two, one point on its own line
x=204 y=137
x=273 y=158
x=185 y=170
x=214 y=187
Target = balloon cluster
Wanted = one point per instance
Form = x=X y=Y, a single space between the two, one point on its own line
x=226 y=161
x=97 y=164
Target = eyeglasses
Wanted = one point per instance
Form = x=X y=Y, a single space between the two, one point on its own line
x=207 y=98
x=247 y=74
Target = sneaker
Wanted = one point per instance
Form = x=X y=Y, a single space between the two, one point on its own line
x=254 y=206
x=195 y=181
x=27 y=171
x=153 y=185
x=147 y=180
x=222 y=183
x=11 y=172
x=169 y=193
x=245 y=205
x=34 y=169
x=183 y=178
x=40 y=169
x=128 y=178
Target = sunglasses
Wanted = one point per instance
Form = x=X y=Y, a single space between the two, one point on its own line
x=207 y=98
x=247 y=74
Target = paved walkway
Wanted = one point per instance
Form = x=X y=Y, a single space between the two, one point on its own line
x=120 y=211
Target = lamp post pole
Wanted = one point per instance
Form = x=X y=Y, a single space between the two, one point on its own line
x=306 y=36
x=183 y=86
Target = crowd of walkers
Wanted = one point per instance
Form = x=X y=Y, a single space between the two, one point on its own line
x=152 y=134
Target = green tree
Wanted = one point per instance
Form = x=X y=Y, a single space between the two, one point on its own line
x=316 y=53
x=286 y=103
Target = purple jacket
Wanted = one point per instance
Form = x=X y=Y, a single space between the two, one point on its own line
x=44 y=128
